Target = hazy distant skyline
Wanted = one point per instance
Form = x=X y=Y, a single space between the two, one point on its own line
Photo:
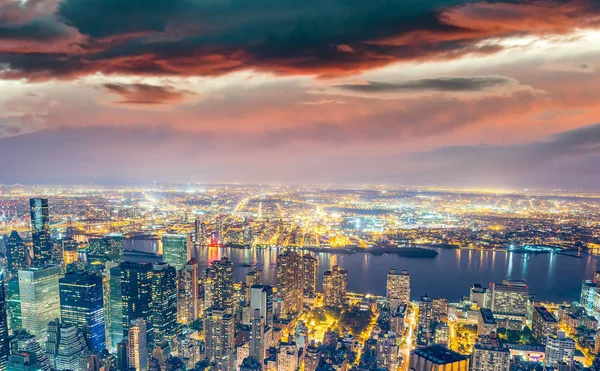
x=456 y=93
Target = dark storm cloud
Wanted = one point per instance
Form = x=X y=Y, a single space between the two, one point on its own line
x=443 y=84
x=147 y=94
x=326 y=38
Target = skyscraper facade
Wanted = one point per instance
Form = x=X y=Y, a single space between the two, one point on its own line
x=397 y=289
x=509 y=299
x=309 y=275
x=136 y=294
x=176 y=249
x=40 y=299
x=219 y=338
x=221 y=275
x=17 y=255
x=116 y=306
x=137 y=345
x=4 y=347
x=187 y=293
x=290 y=284
x=72 y=349
x=82 y=305
x=40 y=231
x=164 y=302
x=261 y=298
x=335 y=282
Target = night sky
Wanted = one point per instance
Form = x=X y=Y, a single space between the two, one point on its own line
x=496 y=94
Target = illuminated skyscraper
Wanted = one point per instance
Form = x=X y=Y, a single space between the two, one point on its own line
x=334 y=287
x=40 y=231
x=17 y=256
x=559 y=348
x=257 y=333
x=261 y=299
x=40 y=299
x=176 y=249
x=4 y=348
x=309 y=268
x=72 y=349
x=137 y=345
x=82 y=305
x=187 y=293
x=425 y=318
x=544 y=324
x=489 y=356
x=221 y=278
x=116 y=306
x=387 y=351
x=509 y=299
x=290 y=283
x=164 y=303
x=136 y=293
x=14 y=304
x=398 y=289
x=219 y=338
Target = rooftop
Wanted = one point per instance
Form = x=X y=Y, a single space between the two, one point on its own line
x=439 y=354
x=546 y=316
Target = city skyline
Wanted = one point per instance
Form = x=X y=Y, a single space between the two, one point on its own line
x=433 y=93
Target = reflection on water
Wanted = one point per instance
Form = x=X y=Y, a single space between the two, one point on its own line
x=551 y=277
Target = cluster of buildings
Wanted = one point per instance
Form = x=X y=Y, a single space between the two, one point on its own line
x=123 y=305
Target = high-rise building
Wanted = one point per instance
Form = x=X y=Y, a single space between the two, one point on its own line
x=28 y=343
x=136 y=294
x=82 y=305
x=219 y=338
x=486 y=323
x=221 y=277
x=115 y=305
x=17 y=256
x=122 y=355
x=425 y=317
x=312 y=357
x=177 y=249
x=261 y=298
x=309 y=272
x=40 y=231
x=397 y=319
x=4 y=347
x=387 y=351
x=559 y=348
x=164 y=303
x=335 y=282
x=257 y=333
x=14 y=304
x=543 y=324
x=437 y=358
x=40 y=299
x=478 y=295
x=137 y=345
x=254 y=277
x=187 y=293
x=488 y=356
x=72 y=349
x=398 y=289
x=290 y=284
x=287 y=359
x=509 y=299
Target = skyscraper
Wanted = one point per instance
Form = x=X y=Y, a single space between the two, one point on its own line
x=82 y=304
x=398 y=289
x=425 y=317
x=489 y=356
x=543 y=324
x=14 y=304
x=40 y=231
x=290 y=281
x=509 y=299
x=4 y=348
x=309 y=273
x=72 y=349
x=176 y=249
x=261 y=298
x=334 y=287
x=136 y=293
x=221 y=276
x=164 y=302
x=40 y=299
x=219 y=338
x=17 y=256
x=559 y=348
x=187 y=293
x=116 y=306
x=387 y=351
x=137 y=345
x=257 y=333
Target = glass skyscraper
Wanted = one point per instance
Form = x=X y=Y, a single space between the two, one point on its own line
x=176 y=249
x=4 y=348
x=164 y=302
x=40 y=231
x=136 y=293
x=16 y=253
x=82 y=304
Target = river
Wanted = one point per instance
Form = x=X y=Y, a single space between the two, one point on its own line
x=551 y=277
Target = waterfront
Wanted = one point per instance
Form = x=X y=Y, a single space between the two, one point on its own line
x=551 y=277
